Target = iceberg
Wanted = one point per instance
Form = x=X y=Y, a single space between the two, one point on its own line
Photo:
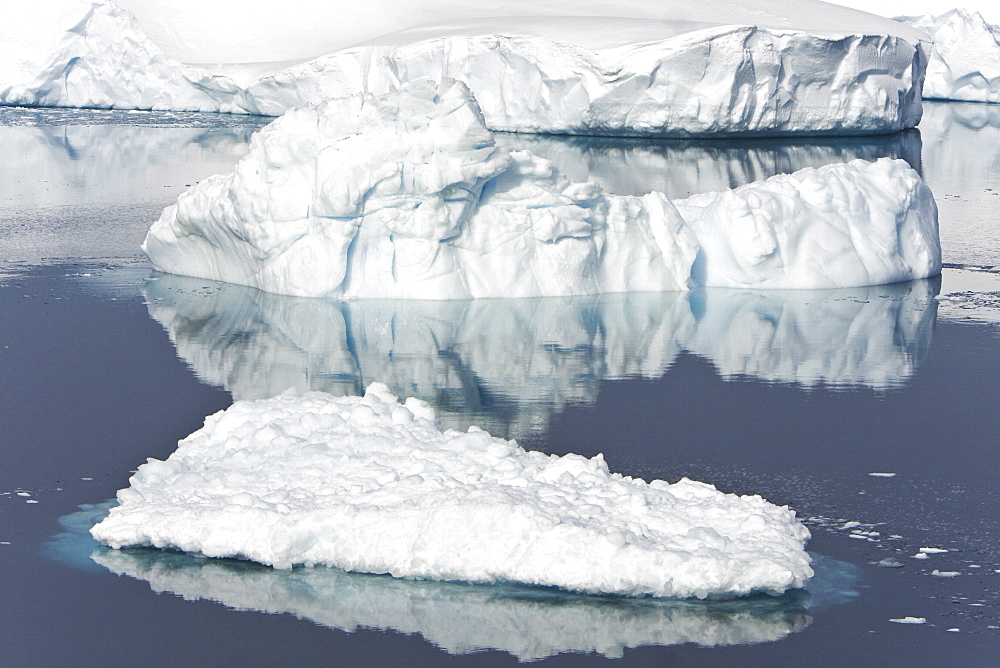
x=370 y=484
x=965 y=61
x=663 y=69
x=458 y=355
x=407 y=195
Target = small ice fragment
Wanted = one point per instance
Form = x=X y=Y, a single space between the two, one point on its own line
x=24 y=494
x=882 y=475
x=850 y=525
x=858 y=535
x=945 y=574
x=954 y=630
x=31 y=501
x=933 y=550
x=920 y=555
x=86 y=478
x=974 y=566
x=4 y=542
x=890 y=562
x=909 y=620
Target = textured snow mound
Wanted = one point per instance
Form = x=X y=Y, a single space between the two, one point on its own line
x=408 y=196
x=651 y=70
x=369 y=484
x=965 y=61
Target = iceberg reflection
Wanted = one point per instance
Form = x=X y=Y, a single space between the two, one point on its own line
x=528 y=622
x=507 y=365
x=684 y=167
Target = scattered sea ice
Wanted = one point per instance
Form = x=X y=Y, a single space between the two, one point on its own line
x=909 y=620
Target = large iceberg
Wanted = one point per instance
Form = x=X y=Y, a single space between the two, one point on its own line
x=965 y=61
x=369 y=484
x=407 y=195
x=652 y=69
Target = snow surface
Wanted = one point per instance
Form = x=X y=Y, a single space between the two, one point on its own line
x=369 y=484
x=893 y=8
x=256 y=345
x=407 y=196
x=965 y=61
x=669 y=68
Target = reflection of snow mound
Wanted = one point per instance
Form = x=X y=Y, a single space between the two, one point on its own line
x=965 y=60
x=369 y=484
x=408 y=196
x=528 y=623
x=507 y=365
x=566 y=67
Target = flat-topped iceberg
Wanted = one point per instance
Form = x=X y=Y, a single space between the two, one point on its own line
x=369 y=484
x=407 y=195
x=650 y=69
x=965 y=61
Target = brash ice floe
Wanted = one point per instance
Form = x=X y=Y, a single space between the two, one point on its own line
x=370 y=484
x=564 y=66
x=408 y=196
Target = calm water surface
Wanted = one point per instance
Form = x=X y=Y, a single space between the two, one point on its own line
x=798 y=396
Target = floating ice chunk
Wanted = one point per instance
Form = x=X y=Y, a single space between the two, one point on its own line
x=408 y=196
x=920 y=555
x=909 y=620
x=965 y=60
x=945 y=574
x=933 y=550
x=882 y=475
x=370 y=484
x=561 y=66
x=890 y=562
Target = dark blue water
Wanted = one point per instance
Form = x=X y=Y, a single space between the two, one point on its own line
x=797 y=396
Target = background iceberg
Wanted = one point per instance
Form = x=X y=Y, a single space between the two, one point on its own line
x=407 y=195
x=369 y=484
x=670 y=68
x=965 y=61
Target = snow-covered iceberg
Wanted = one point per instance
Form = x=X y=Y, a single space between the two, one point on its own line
x=651 y=69
x=965 y=61
x=407 y=195
x=509 y=365
x=369 y=484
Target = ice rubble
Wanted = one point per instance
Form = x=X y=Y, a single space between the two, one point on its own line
x=407 y=196
x=965 y=61
x=668 y=68
x=369 y=484
x=458 y=354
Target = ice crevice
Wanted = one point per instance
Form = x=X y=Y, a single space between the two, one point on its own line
x=408 y=195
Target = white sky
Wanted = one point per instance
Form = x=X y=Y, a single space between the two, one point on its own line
x=990 y=9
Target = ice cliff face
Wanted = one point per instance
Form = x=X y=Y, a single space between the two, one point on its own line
x=965 y=60
x=560 y=69
x=370 y=484
x=407 y=196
